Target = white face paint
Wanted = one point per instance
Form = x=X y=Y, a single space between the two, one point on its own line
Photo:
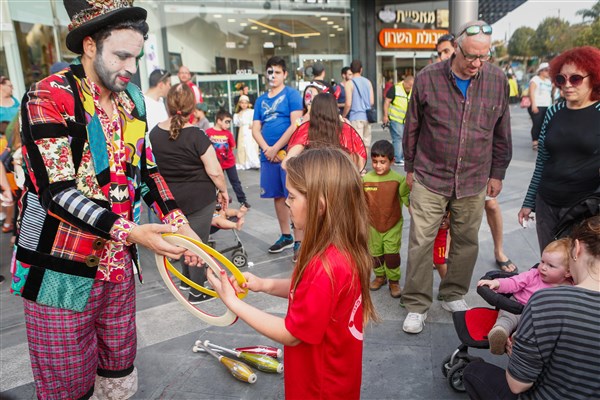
x=276 y=76
x=117 y=61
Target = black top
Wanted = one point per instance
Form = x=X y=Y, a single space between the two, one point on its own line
x=573 y=144
x=180 y=165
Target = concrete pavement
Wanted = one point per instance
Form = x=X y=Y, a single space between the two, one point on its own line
x=396 y=365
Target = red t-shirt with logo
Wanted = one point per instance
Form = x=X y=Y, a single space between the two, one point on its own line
x=224 y=143
x=325 y=313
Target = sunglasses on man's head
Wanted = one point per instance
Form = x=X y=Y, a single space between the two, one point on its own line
x=475 y=29
x=561 y=80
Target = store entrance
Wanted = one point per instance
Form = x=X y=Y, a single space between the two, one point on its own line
x=396 y=66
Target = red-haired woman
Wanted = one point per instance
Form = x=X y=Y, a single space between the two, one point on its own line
x=568 y=161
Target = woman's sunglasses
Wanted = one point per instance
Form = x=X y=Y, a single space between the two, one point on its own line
x=475 y=29
x=561 y=80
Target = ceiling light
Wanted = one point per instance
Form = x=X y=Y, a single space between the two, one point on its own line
x=268 y=45
x=254 y=27
x=217 y=16
x=230 y=45
x=271 y=33
x=293 y=45
x=336 y=26
x=264 y=31
x=332 y=35
x=231 y=20
x=330 y=22
x=282 y=31
x=243 y=24
x=340 y=29
x=324 y=18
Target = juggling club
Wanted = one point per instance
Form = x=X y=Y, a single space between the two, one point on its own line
x=262 y=362
x=238 y=369
x=270 y=351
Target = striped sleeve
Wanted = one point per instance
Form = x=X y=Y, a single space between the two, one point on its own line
x=542 y=157
x=557 y=344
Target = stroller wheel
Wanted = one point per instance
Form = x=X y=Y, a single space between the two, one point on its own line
x=446 y=365
x=239 y=259
x=455 y=376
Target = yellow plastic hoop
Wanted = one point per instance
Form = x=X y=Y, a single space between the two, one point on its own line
x=206 y=253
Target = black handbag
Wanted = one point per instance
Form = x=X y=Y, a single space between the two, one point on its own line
x=372 y=111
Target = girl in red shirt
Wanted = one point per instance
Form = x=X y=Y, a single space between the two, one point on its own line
x=328 y=292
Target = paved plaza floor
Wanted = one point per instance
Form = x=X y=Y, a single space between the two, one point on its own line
x=396 y=365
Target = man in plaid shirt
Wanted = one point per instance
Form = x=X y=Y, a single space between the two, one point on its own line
x=457 y=147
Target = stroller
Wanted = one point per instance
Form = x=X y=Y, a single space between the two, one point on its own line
x=472 y=327
x=239 y=256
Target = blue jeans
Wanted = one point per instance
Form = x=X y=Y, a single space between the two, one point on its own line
x=397 y=131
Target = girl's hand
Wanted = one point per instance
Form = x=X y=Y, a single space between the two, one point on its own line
x=253 y=283
x=222 y=286
x=492 y=284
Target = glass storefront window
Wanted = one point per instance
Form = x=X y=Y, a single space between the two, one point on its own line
x=37 y=50
x=225 y=43
x=239 y=37
x=33 y=22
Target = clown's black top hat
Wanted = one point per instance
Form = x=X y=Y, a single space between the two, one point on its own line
x=88 y=16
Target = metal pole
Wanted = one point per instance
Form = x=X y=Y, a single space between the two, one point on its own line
x=56 y=31
x=462 y=12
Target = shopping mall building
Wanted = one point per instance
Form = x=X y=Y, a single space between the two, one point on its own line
x=227 y=42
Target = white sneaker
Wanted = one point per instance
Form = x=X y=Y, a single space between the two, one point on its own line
x=414 y=322
x=456 y=305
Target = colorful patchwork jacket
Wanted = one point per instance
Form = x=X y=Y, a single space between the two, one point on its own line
x=82 y=196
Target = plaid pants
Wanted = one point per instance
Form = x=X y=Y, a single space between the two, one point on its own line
x=69 y=348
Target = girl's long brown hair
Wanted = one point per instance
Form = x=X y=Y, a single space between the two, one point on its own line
x=325 y=126
x=328 y=176
x=180 y=105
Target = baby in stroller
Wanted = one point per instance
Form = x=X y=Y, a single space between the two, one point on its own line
x=553 y=270
x=482 y=327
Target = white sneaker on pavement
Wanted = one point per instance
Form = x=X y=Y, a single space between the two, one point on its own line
x=414 y=322
x=456 y=305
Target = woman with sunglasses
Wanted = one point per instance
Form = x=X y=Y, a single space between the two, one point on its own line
x=568 y=161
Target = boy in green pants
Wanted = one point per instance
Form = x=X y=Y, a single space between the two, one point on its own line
x=386 y=191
